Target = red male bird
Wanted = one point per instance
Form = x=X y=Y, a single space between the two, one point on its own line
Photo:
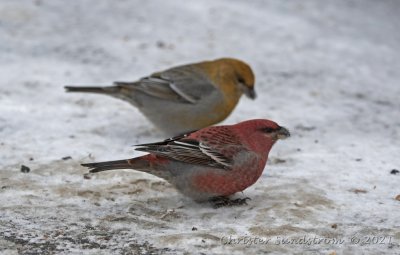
x=214 y=162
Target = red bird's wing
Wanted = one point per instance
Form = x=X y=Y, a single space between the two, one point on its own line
x=213 y=147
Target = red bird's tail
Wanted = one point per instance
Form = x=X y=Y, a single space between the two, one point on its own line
x=148 y=163
x=134 y=163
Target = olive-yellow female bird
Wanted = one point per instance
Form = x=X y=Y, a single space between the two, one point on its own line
x=188 y=97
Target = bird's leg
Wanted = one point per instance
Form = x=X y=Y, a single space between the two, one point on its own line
x=226 y=201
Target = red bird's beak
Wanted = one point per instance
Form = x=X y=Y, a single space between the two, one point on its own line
x=282 y=133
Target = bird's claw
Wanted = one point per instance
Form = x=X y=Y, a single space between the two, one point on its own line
x=225 y=201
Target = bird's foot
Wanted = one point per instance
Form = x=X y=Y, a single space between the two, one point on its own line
x=226 y=201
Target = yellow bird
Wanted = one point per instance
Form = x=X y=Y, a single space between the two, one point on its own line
x=187 y=97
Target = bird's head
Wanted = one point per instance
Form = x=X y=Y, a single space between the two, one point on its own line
x=244 y=76
x=262 y=133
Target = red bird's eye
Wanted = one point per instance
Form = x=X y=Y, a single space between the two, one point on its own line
x=268 y=129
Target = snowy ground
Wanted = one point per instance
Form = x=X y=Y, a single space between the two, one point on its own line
x=328 y=70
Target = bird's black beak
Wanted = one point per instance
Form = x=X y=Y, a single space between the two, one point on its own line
x=282 y=133
x=250 y=93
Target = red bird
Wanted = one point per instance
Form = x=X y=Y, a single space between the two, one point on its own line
x=209 y=164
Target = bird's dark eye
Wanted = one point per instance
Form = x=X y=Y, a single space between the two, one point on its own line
x=241 y=80
x=268 y=130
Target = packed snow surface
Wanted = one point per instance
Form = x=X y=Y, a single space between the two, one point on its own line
x=327 y=70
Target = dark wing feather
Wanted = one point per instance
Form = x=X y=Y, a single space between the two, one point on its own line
x=180 y=84
x=192 y=151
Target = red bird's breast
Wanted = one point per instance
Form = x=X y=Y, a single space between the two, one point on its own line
x=227 y=182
